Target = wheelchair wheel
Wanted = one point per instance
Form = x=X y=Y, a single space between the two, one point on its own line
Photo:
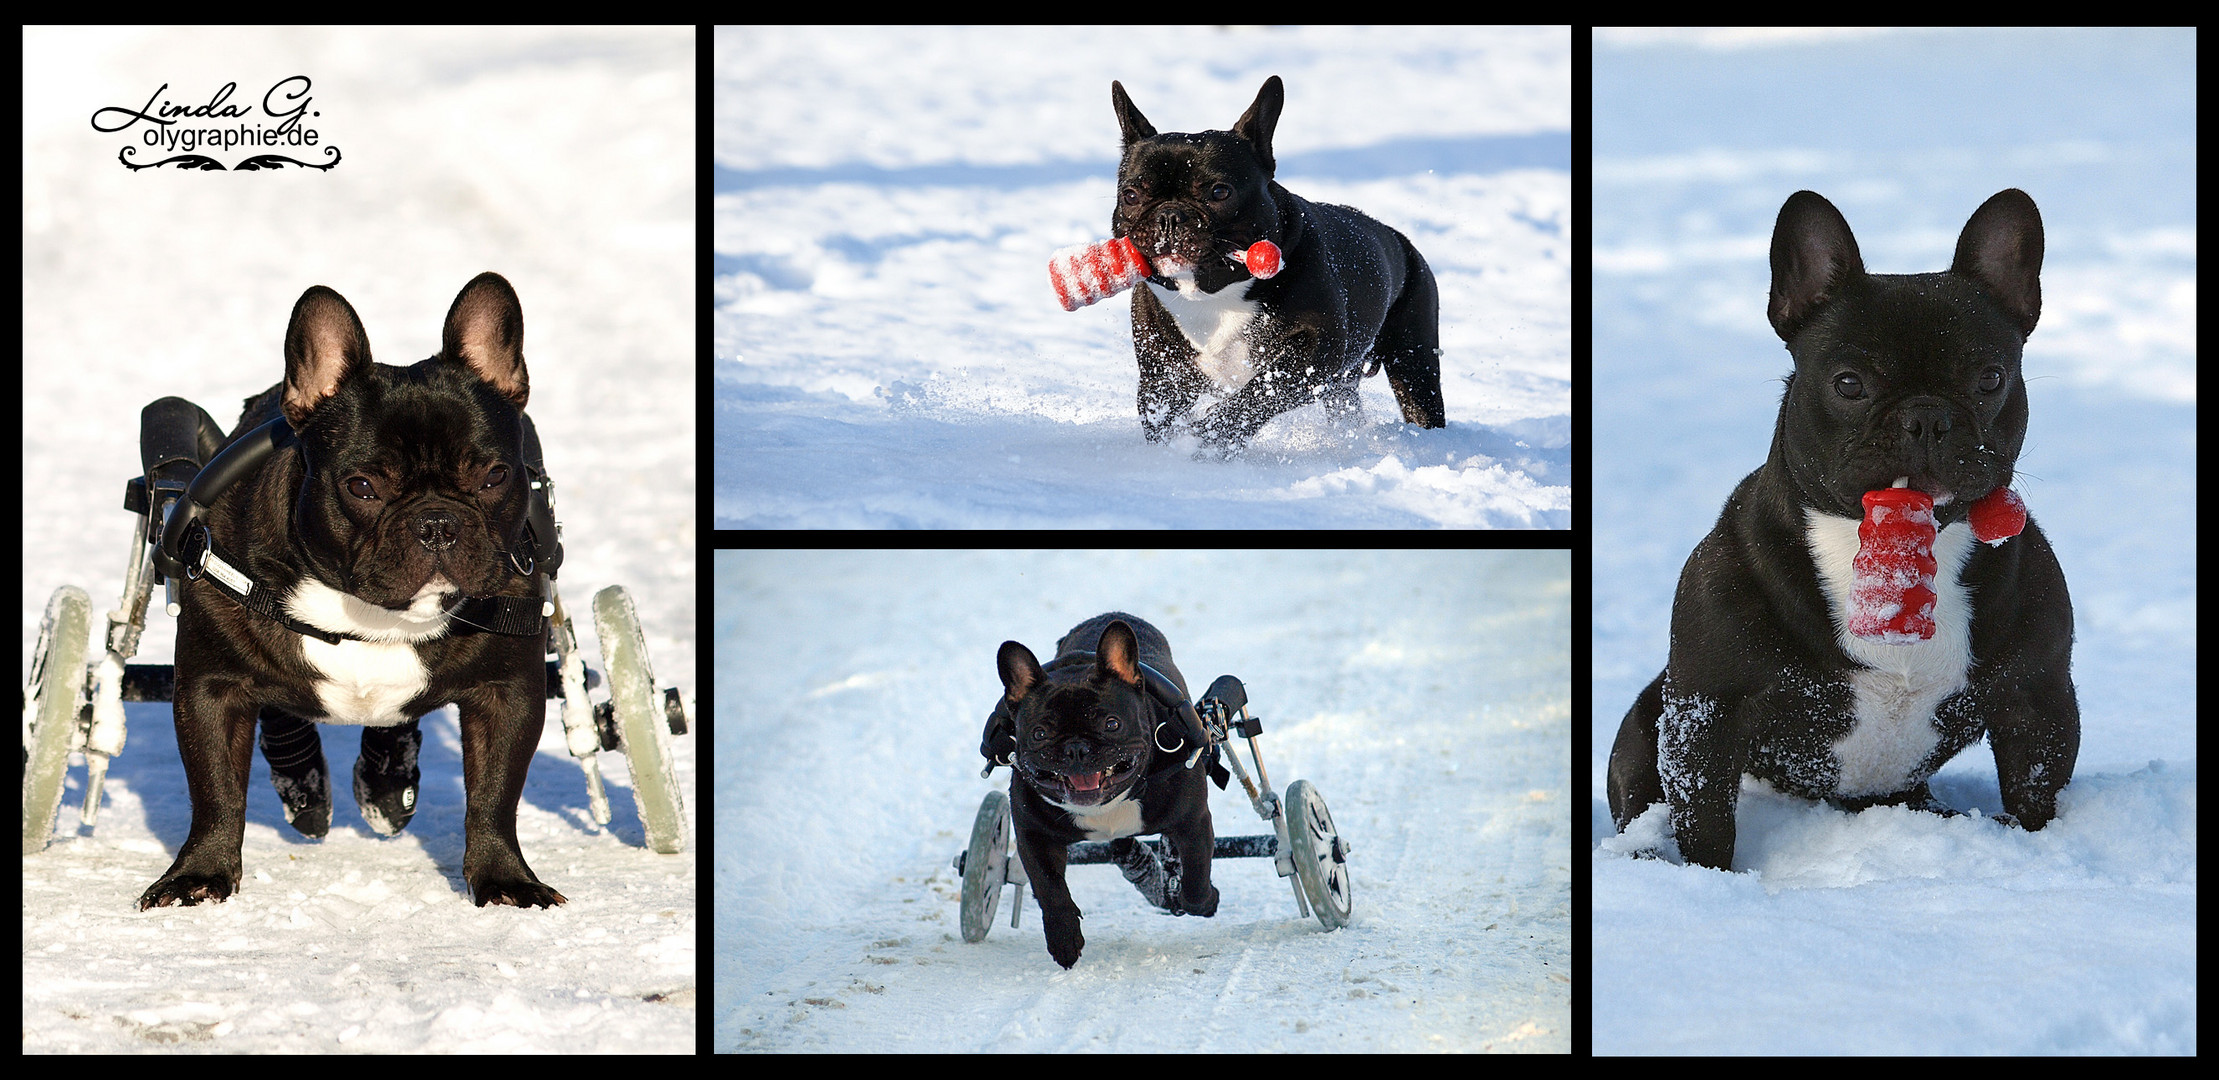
x=641 y=720
x=1320 y=855
x=56 y=691
x=985 y=866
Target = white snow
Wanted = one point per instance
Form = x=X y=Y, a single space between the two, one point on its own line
x=1424 y=695
x=888 y=352
x=561 y=158
x=1894 y=931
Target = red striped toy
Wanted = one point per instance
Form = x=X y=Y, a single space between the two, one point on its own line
x=1091 y=272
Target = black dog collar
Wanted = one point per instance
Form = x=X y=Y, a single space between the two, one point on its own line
x=205 y=559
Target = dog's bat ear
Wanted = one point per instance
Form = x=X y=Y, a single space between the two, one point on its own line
x=325 y=346
x=2001 y=248
x=1135 y=126
x=485 y=330
x=1813 y=253
x=1257 y=123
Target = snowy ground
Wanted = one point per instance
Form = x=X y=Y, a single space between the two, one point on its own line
x=1892 y=931
x=1423 y=694
x=562 y=158
x=888 y=352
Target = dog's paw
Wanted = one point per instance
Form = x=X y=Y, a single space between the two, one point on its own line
x=188 y=889
x=515 y=892
x=1205 y=909
x=1064 y=939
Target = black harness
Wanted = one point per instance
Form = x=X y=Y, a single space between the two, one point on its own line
x=999 y=744
x=188 y=548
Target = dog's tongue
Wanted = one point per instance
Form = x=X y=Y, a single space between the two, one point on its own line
x=1085 y=781
x=1891 y=593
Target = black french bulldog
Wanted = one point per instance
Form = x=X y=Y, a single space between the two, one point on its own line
x=1350 y=289
x=343 y=581
x=1900 y=380
x=1090 y=766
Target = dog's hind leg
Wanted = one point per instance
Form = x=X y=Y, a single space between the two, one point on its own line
x=1409 y=346
x=1157 y=882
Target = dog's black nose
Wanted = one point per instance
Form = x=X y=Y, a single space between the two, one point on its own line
x=437 y=530
x=1924 y=419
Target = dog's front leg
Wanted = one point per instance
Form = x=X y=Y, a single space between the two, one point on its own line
x=1169 y=382
x=1231 y=423
x=1059 y=914
x=500 y=726
x=215 y=736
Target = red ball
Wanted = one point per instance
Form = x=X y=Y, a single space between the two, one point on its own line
x=1998 y=516
x=1262 y=258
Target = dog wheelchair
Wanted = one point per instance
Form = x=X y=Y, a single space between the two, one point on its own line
x=1303 y=844
x=71 y=705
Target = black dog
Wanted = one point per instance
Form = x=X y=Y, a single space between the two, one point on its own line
x=1350 y=290
x=1901 y=381
x=1090 y=765
x=374 y=567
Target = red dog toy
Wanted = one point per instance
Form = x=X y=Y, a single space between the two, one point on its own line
x=1998 y=516
x=1091 y=273
x=1262 y=258
x=1891 y=592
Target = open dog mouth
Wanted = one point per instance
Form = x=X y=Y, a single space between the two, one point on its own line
x=1084 y=788
x=1931 y=485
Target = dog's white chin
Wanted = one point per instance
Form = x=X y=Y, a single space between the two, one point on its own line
x=321 y=606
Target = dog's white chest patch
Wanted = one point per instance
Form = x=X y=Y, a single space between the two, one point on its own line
x=1895 y=693
x=1216 y=324
x=365 y=682
x=368 y=682
x=1118 y=817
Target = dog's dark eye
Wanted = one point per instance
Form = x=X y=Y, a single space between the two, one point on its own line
x=1111 y=723
x=1848 y=385
x=495 y=477
x=1220 y=192
x=361 y=488
x=1131 y=196
x=1991 y=380
x=1040 y=734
